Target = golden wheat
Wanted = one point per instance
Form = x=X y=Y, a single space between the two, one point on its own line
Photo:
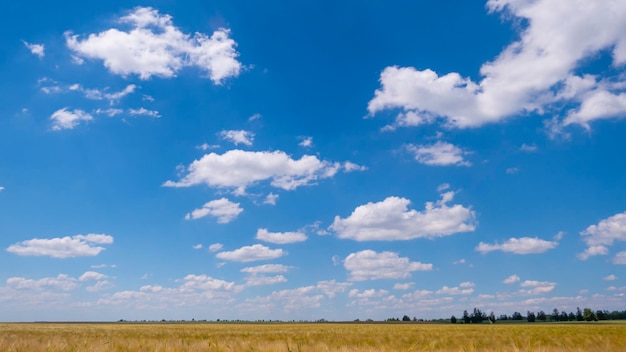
x=132 y=337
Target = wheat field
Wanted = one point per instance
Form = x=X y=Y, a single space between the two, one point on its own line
x=135 y=337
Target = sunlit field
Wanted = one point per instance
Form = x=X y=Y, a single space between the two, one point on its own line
x=312 y=337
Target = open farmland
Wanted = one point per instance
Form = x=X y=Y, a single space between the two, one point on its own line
x=133 y=337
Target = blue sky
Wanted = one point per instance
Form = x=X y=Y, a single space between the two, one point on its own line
x=307 y=160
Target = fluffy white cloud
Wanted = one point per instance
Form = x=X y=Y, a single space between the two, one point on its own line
x=271 y=199
x=64 y=119
x=620 y=258
x=306 y=142
x=280 y=237
x=240 y=169
x=606 y=231
x=523 y=245
x=530 y=148
x=593 y=251
x=153 y=46
x=392 y=220
x=291 y=299
x=511 y=279
x=439 y=154
x=36 y=49
x=529 y=75
x=537 y=287
x=111 y=112
x=91 y=275
x=223 y=209
x=144 y=112
x=97 y=94
x=331 y=287
x=261 y=280
x=251 y=253
x=61 y=282
x=215 y=247
x=370 y=265
x=266 y=268
x=64 y=247
x=610 y=278
x=238 y=137
x=403 y=286
x=197 y=246
x=1 y=188
x=464 y=288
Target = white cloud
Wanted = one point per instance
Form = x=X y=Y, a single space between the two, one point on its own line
x=197 y=246
x=307 y=142
x=291 y=299
x=36 y=49
x=537 y=287
x=259 y=280
x=64 y=119
x=223 y=209
x=251 y=253
x=403 y=286
x=215 y=247
x=61 y=282
x=442 y=187
x=370 y=265
x=620 y=258
x=266 y=268
x=439 y=154
x=97 y=94
x=392 y=220
x=271 y=199
x=593 y=251
x=280 y=237
x=532 y=74
x=512 y=170
x=598 y=237
x=111 y=112
x=153 y=46
x=511 y=279
x=522 y=245
x=610 y=278
x=371 y=293
x=1 y=188
x=99 y=286
x=64 y=247
x=238 y=137
x=350 y=166
x=240 y=169
x=254 y=117
x=464 y=288
x=144 y=112
x=331 y=287
x=101 y=266
x=531 y=148
x=206 y=146
x=91 y=276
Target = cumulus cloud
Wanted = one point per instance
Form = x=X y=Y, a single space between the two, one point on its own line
x=251 y=253
x=370 y=265
x=403 y=286
x=151 y=45
x=144 y=112
x=620 y=258
x=391 y=220
x=1 y=188
x=61 y=282
x=223 y=209
x=259 y=280
x=602 y=235
x=239 y=169
x=464 y=288
x=522 y=245
x=538 y=73
x=64 y=119
x=97 y=94
x=331 y=287
x=537 y=287
x=280 y=237
x=306 y=142
x=215 y=247
x=197 y=246
x=91 y=276
x=610 y=278
x=35 y=49
x=266 y=268
x=511 y=279
x=270 y=199
x=530 y=148
x=238 y=137
x=439 y=154
x=63 y=247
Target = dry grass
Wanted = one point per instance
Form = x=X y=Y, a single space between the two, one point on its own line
x=311 y=337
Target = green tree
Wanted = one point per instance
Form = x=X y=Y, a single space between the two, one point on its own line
x=555 y=315
x=453 y=319
x=579 y=314
x=541 y=315
x=589 y=315
x=466 y=317
x=517 y=316
x=492 y=318
x=406 y=318
x=530 y=316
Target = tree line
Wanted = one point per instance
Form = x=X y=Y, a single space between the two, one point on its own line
x=586 y=314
